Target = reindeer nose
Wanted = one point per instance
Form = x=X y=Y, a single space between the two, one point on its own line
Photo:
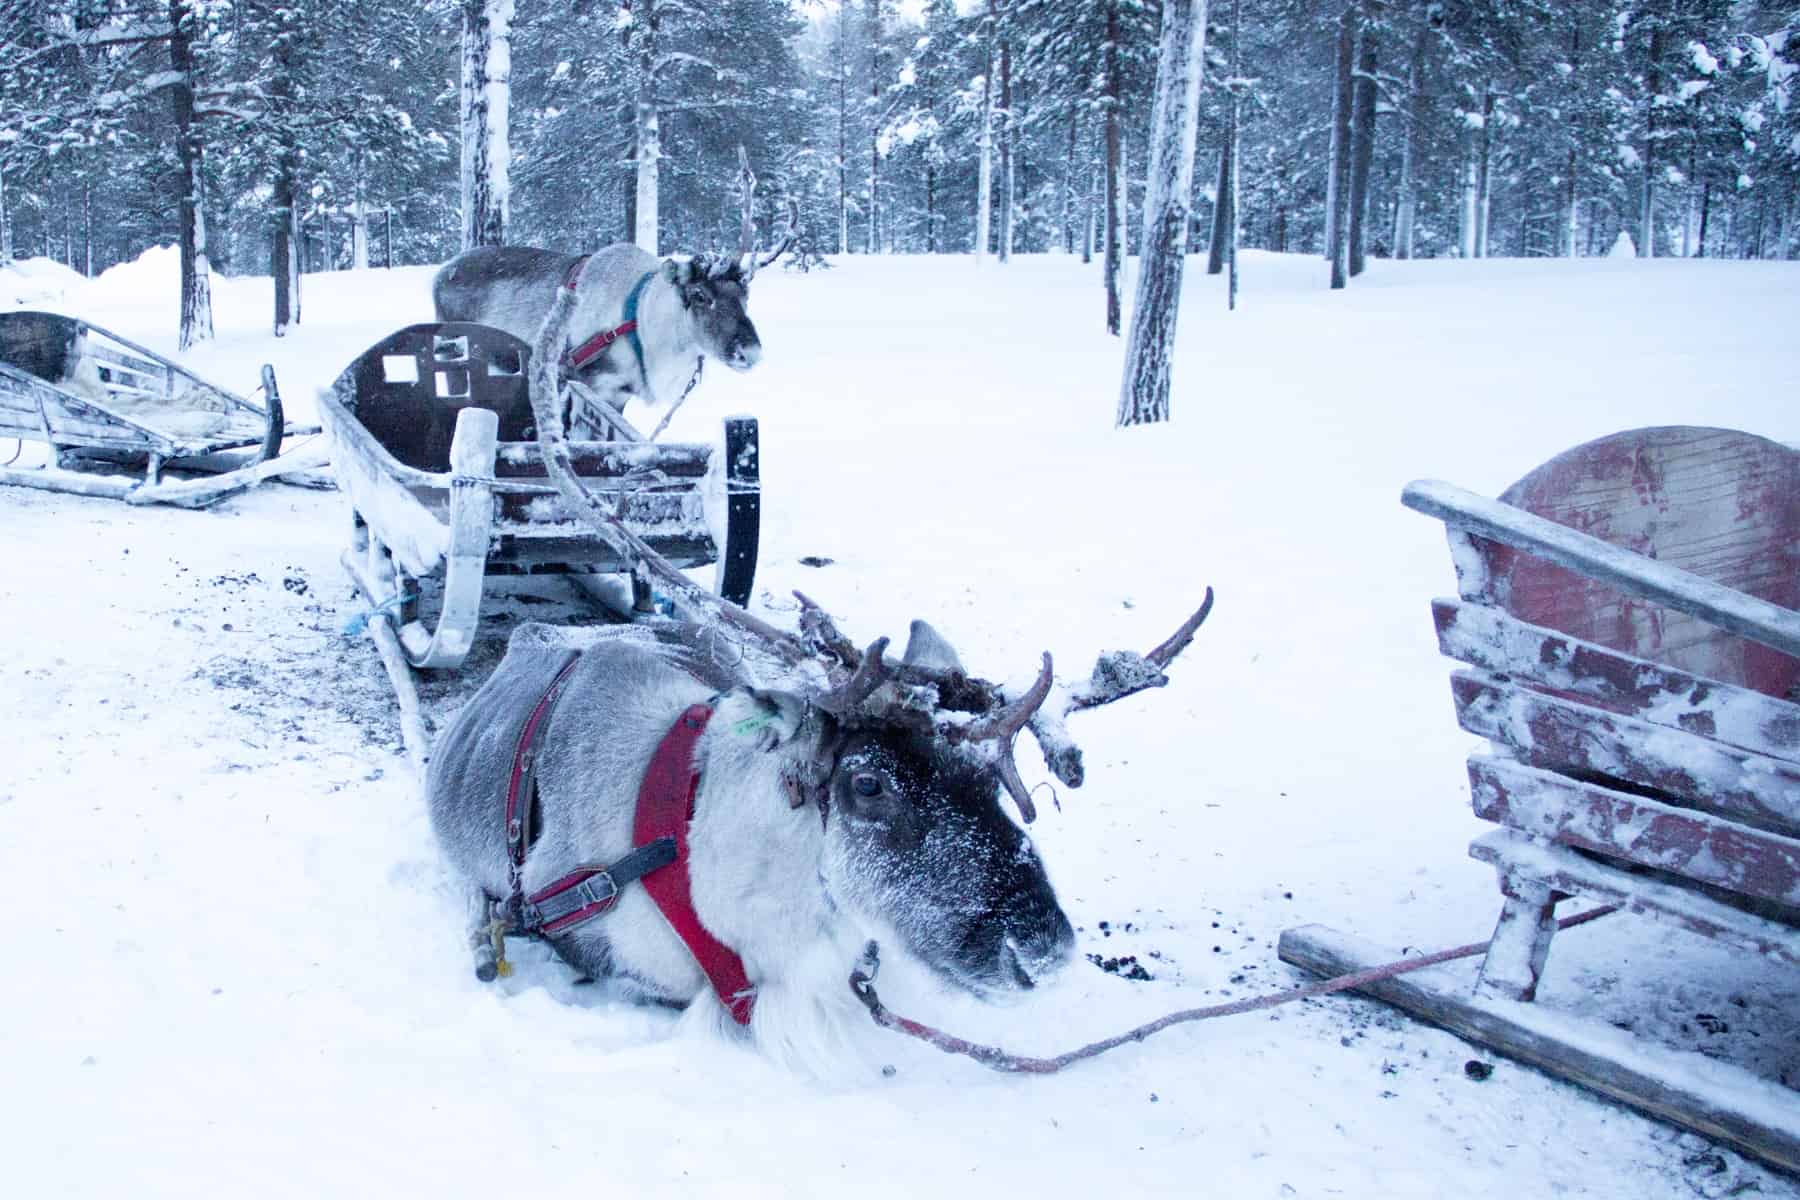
x=746 y=355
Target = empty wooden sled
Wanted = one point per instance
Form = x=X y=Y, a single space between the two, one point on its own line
x=432 y=440
x=98 y=400
x=1626 y=612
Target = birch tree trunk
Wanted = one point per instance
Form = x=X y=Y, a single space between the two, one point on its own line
x=1006 y=151
x=1646 y=246
x=1362 y=149
x=1484 y=173
x=1068 y=189
x=1092 y=206
x=843 y=149
x=196 y=281
x=1233 y=126
x=874 y=20
x=1406 y=204
x=1168 y=209
x=984 y=175
x=359 y=228
x=1113 y=237
x=1337 y=185
x=486 y=99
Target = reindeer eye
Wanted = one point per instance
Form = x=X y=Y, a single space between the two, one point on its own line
x=700 y=298
x=865 y=784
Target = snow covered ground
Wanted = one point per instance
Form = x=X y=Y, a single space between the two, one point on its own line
x=235 y=963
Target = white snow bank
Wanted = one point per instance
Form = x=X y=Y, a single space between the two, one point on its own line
x=30 y=282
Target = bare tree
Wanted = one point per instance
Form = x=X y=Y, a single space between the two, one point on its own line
x=1168 y=209
x=196 y=271
x=1337 y=185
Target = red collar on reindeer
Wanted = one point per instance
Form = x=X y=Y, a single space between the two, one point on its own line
x=665 y=807
x=584 y=354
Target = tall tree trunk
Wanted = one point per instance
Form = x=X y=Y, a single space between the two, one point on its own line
x=1691 y=220
x=984 y=174
x=1168 y=205
x=6 y=229
x=646 y=127
x=1223 y=216
x=1571 y=208
x=87 y=228
x=1091 y=205
x=1111 y=102
x=359 y=223
x=1470 y=206
x=1705 y=212
x=1337 y=185
x=1646 y=247
x=1484 y=172
x=1006 y=150
x=1406 y=203
x=196 y=281
x=931 y=242
x=1362 y=150
x=874 y=20
x=486 y=99
x=1068 y=188
x=843 y=129
x=283 y=259
x=1234 y=127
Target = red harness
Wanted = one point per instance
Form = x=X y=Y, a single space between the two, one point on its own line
x=665 y=808
x=595 y=346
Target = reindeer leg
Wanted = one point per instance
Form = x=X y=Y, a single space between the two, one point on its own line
x=485 y=944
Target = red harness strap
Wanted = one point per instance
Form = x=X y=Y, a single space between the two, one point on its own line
x=595 y=346
x=664 y=808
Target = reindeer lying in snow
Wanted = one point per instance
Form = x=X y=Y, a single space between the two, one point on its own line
x=805 y=818
x=772 y=828
x=640 y=328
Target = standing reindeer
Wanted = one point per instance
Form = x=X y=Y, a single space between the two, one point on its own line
x=640 y=327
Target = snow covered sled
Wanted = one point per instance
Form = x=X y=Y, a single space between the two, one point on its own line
x=1626 y=612
x=96 y=399
x=433 y=441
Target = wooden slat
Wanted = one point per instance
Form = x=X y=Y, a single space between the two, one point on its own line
x=1563 y=870
x=693 y=549
x=1734 y=611
x=1753 y=1115
x=644 y=511
x=607 y=460
x=1661 y=696
x=1564 y=736
x=1684 y=842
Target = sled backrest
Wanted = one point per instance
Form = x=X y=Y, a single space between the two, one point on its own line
x=407 y=389
x=1718 y=503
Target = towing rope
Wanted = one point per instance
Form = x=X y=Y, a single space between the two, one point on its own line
x=862 y=983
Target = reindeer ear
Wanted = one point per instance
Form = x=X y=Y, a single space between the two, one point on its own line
x=926 y=647
x=770 y=719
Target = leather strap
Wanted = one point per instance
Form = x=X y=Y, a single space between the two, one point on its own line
x=665 y=808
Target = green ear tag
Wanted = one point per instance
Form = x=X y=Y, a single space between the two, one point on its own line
x=750 y=725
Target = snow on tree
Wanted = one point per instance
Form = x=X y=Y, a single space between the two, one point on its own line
x=486 y=103
x=1168 y=209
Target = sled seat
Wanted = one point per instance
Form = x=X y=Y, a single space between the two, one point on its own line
x=436 y=447
x=1626 y=614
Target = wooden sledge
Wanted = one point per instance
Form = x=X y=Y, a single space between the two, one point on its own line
x=1626 y=612
x=97 y=400
x=432 y=440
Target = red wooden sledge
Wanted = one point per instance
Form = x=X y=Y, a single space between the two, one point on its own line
x=1626 y=612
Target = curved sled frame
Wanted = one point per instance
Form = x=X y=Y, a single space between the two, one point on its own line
x=493 y=511
x=40 y=409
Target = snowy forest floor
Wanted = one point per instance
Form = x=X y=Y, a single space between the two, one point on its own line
x=238 y=962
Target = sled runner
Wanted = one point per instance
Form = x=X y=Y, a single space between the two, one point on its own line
x=433 y=441
x=1627 y=614
x=98 y=400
